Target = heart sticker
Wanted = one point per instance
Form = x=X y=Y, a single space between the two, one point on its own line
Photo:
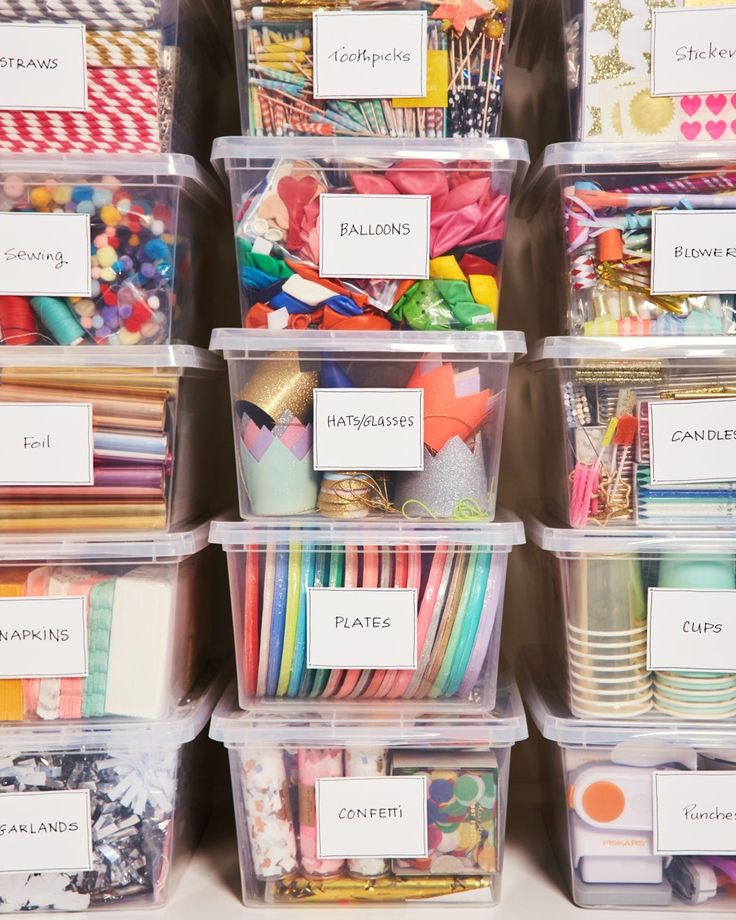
x=716 y=104
x=690 y=104
x=690 y=129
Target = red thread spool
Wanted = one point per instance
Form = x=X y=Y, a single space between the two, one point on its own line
x=17 y=322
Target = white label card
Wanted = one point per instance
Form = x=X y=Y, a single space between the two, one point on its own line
x=366 y=816
x=369 y=55
x=691 y=630
x=367 y=429
x=46 y=444
x=374 y=236
x=692 y=440
x=694 y=812
x=45 y=831
x=693 y=252
x=45 y=255
x=694 y=51
x=362 y=628
x=43 y=67
x=43 y=637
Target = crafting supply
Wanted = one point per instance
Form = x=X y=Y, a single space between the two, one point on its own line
x=369 y=762
x=132 y=797
x=315 y=764
x=279 y=222
x=268 y=815
x=136 y=257
x=465 y=74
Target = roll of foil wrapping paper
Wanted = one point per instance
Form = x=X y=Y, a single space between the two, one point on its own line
x=346 y=889
x=131 y=451
x=132 y=807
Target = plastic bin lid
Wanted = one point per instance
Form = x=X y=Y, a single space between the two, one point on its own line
x=242 y=343
x=180 y=726
x=553 y=718
x=237 y=152
x=159 y=168
x=627 y=157
x=506 y=531
x=384 y=725
x=589 y=541
x=570 y=350
x=85 y=548
x=146 y=357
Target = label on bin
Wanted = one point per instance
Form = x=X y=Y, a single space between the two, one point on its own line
x=45 y=831
x=46 y=444
x=374 y=236
x=693 y=252
x=691 y=629
x=361 y=817
x=366 y=429
x=692 y=440
x=694 y=812
x=362 y=628
x=45 y=255
x=694 y=51
x=369 y=55
x=43 y=637
x=43 y=67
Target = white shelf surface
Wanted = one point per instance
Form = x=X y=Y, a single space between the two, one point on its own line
x=533 y=888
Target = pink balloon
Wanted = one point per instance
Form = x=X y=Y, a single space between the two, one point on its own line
x=370 y=184
x=466 y=193
x=420 y=177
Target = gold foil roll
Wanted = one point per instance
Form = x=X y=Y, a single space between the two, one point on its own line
x=276 y=387
x=34 y=517
x=331 y=890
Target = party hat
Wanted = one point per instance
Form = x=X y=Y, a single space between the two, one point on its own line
x=453 y=483
x=278 y=385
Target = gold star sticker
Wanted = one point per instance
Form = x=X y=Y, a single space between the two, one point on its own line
x=610 y=15
x=648 y=60
x=657 y=5
x=608 y=66
x=596 y=125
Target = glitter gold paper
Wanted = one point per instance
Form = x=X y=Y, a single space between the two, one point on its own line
x=380 y=889
x=607 y=66
x=595 y=120
x=610 y=15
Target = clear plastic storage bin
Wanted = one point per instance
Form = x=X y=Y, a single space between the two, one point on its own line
x=353 y=426
x=372 y=810
x=92 y=628
x=355 y=236
x=646 y=232
x=639 y=431
x=646 y=620
x=650 y=72
x=101 y=817
x=640 y=812
x=106 y=439
x=332 y=69
x=357 y=614
x=119 y=77
x=103 y=250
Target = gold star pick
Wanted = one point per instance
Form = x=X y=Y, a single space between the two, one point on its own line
x=610 y=15
x=596 y=125
x=608 y=66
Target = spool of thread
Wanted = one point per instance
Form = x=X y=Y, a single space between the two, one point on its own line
x=17 y=323
x=61 y=323
x=611 y=246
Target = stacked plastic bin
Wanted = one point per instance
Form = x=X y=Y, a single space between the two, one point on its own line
x=369 y=740
x=637 y=403
x=105 y=567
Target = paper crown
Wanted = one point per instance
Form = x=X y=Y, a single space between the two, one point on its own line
x=452 y=485
x=454 y=403
x=278 y=386
x=277 y=467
